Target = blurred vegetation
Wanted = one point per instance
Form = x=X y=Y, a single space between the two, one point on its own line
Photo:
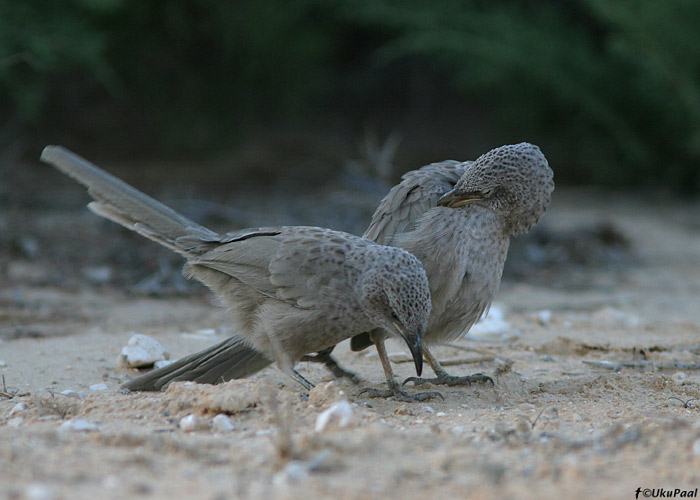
x=610 y=90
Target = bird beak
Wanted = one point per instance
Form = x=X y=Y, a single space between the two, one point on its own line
x=415 y=346
x=453 y=200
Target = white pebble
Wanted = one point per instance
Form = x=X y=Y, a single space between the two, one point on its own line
x=340 y=414
x=204 y=333
x=98 y=274
x=492 y=327
x=294 y=472
x=192 y=423
x=73 y=394
x=612 y=317
x=19 y=407
x=78 y=425
x=15 y=422
x=429 y=409
x=696 y=447
x=222 y=423
x=3 y=364
x=37 y=491
x=111 y=482
x=679 y=376
x=143 y=351
x=99 y=387
x=297 y=470
x=544 y=316
x=209 y=332
x=440 y=414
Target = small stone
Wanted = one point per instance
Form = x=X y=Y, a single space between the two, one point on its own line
x=99 y=387
x=294 y=472
x=73 y=394
x=492 y=327
x=440 y=414
x=192 y=423
x=611 y=317
x=298 y=470
x=37 y=491
x=78 y=425
x=222 y=423
x=338 y=416
x=98 y=274
x=679 y=377
x=143 y=351
x=29 y=245
x=111 y=482
x=543 y=317
x=18 y=408
x=15 y=422
x=3 y=364
x=696 y=447
x=429 y=409
x=204 y=333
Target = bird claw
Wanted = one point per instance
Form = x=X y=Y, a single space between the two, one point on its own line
x=451 y=380
x=400 y=395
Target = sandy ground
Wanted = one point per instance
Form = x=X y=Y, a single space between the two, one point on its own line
x=559 y=422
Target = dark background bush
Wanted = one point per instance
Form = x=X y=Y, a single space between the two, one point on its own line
x=609 y=90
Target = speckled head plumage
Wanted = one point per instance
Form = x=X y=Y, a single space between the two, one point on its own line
x=514 y=180
x=396 y=296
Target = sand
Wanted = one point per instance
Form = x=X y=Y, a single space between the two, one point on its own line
x=596 y=375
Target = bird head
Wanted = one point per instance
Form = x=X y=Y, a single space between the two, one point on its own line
x=515 y=181
x=397 y=298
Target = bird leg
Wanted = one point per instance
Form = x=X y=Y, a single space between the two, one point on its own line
x=338 y=371
x=297 y=377
x=444 y=378
x=286 y=365
x=394 y=388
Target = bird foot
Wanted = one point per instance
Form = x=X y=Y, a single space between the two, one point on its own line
x=340 y=372
x=451 y=380
x=332 y=365
x=400 y=395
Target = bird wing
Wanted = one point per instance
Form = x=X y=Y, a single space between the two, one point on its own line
x=316 y=266
x=417 y=193
x=245 y=255
x=303 y=266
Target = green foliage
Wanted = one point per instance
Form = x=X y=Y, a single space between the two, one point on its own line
x=616 y=84
x=192 y=68
x=611 y=88
x=213 y=65
x=40 y=41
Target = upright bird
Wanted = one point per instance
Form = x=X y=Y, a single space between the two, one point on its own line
x=290 y=291
x=457 y=218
